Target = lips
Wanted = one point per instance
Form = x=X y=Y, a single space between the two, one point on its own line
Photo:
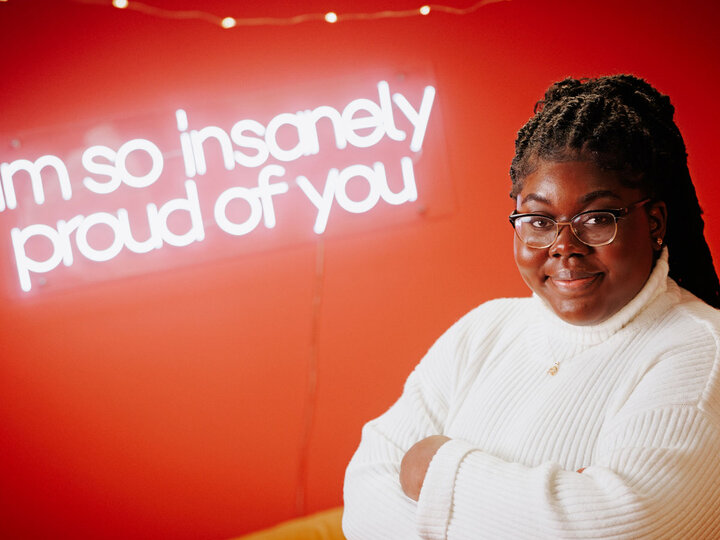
x=573 y=281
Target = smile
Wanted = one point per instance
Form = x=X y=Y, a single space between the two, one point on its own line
x=573 y=283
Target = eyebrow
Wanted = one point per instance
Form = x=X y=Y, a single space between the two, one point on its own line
x=535 y=197
x=599 y=194
x=588 y=197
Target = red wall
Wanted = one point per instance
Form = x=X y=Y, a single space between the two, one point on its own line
x=224 y=391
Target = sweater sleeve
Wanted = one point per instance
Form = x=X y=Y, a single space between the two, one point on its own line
x=375 y=506
x=655 y=473
x=663 y=481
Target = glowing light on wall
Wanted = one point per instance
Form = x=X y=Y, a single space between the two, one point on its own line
x=362 y=123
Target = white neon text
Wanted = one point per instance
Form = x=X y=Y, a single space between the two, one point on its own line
x=237 y=210
x=118 y=223
x=117 y=169
x=336 y=184
x=349 y=127
x=8 y=171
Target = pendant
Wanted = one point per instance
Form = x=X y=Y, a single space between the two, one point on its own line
x=554 y=369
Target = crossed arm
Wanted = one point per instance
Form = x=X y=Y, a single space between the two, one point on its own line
x=445 y=488
x=655 y=474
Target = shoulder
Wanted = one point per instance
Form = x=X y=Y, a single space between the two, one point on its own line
x=489 y=320
x=498 y=311
x=493 y=319
x=704 y=342
x=483 y=328
x=698 y=312
x=690 y=327
x=678 y=321
x=680 y=362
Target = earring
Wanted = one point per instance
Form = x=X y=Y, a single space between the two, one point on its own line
x=659 y=241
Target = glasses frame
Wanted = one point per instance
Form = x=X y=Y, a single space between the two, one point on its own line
x=616 y=213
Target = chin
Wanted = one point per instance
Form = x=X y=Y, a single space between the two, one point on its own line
x=579 y=313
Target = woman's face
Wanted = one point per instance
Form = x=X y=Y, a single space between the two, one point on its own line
x=586 y=285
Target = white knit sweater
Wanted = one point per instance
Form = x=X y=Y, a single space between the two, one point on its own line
x=635 y=400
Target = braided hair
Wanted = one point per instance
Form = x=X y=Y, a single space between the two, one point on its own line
x=622 y=123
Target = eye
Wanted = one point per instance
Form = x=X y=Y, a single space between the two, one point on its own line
x=541 y=223
x=598 y=219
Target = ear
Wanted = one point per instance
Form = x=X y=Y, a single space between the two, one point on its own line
x=657 y=217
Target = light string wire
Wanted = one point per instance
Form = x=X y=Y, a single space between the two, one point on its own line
x=330 y=17
x=310 y=405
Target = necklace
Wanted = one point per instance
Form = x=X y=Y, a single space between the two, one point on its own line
x=554 y=369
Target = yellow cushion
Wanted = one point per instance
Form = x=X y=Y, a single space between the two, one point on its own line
x=326 y=525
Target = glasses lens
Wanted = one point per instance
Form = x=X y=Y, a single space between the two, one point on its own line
x=595 y=228
x=536 y=231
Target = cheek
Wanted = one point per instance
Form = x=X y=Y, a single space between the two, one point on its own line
x=529 y=262
x=630 y=268
x=631 y=257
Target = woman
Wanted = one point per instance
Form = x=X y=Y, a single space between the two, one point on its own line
x=592 y=409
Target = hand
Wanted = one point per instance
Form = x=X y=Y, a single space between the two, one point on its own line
x=415 y=463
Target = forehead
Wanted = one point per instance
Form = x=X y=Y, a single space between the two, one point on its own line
x=572 y=182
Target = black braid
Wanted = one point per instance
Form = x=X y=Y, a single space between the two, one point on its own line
x=622 y=123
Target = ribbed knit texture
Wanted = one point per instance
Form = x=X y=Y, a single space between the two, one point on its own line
x=636 y=401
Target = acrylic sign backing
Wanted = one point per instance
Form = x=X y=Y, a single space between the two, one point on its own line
x=219 y=179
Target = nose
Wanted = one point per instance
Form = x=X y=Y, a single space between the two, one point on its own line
x=567 y=244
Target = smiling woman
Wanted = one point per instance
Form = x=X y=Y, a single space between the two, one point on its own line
x=591 y=409
x=585 y=283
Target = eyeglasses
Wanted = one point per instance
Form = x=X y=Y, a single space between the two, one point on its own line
x=593 y=228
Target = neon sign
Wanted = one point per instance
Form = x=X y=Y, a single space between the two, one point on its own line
x=273 y=148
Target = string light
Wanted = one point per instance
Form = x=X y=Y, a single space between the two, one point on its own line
x=228 y=22
x=330 y=17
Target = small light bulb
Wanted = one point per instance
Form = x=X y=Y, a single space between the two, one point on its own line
x=228 y=22
x=331 y=17
x=424 y=10
x=120 y=4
